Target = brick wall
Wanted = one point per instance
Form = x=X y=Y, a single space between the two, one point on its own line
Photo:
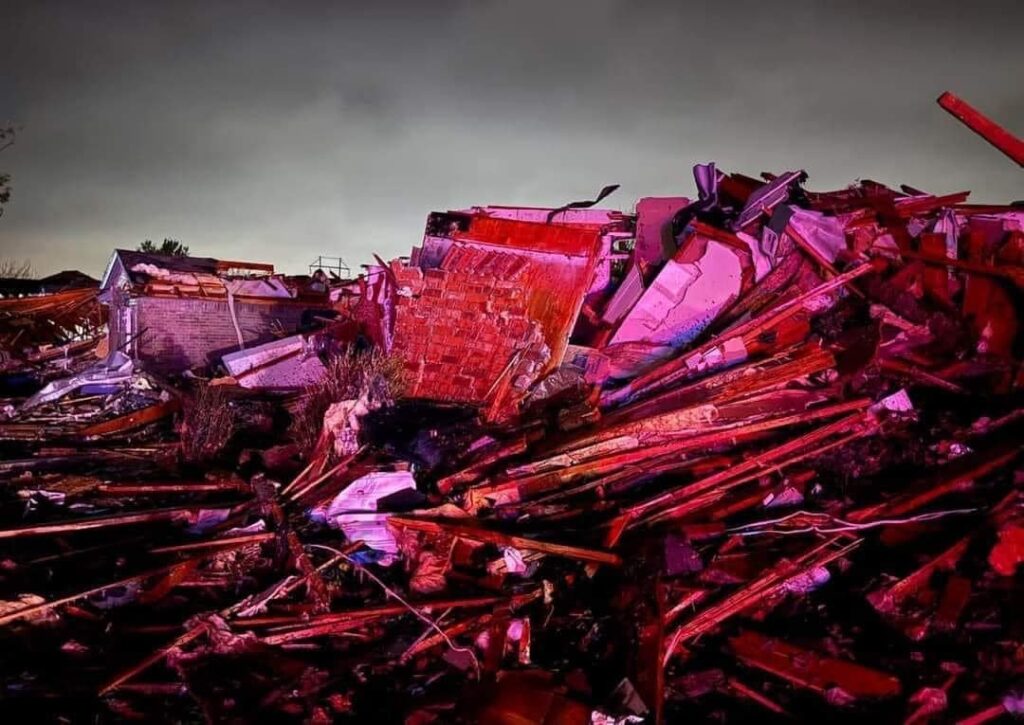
x=182 y=333
x=458 y=329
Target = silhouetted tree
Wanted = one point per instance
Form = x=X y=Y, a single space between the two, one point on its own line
x=9 y=269
x=169 y=246
x=6 y=141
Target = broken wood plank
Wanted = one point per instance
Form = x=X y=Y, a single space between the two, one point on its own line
x=453 y=528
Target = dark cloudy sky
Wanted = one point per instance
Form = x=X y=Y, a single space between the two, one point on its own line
x=280 y=131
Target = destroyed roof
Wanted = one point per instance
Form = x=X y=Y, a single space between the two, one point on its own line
x=61 y=308
x=164 y=274
x=130 y=260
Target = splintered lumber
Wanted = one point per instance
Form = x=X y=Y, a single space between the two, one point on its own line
x=452 y=528
x=436 y=639
x=742 y=380
x=756 y=592
x=142 y=489
x=290 y=584
x=475 y=470
x=339 y=622
x=993 y=712
x=744 y=691
x=229 y=541
x=87 y=459
x=819 y=259
x=381 y=610
x=892 y=598
x=646 y=454
x=811 y=670
x=746 y=335
x=98 y=522
x=188 y=636
x=44 y=607
x=130 y=421
x=149 y=661
x=685 y=499
x=955 y=477
x=983 y=126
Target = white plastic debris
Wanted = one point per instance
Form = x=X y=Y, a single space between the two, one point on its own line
x=602 y=718
x=808 y=581
x=364 y=493
x=898 y=402
x=824 y=234
x=514 y=563
x=789 y=496
x=256 y=527
x=285 y=363
x=353 y=510
x=206 y=519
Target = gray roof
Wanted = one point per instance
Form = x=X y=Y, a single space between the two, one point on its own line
x=170 y=262
x=128 y=258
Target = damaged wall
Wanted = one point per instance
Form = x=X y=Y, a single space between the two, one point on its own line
x=488 y=304
x=458 y=329
x=178 y=334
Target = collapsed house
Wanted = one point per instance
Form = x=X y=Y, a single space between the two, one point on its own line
x=165 y=316
x=752 y=453
x=174 y=313
x=48 y=328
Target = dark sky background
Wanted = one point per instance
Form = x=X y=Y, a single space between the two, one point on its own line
x=280 y=131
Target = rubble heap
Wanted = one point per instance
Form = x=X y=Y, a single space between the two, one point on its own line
x=48 y=328
x=753 y=454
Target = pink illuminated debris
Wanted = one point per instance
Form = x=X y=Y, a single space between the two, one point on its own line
x=984 y=127
x=754 y=451
x=693 y=287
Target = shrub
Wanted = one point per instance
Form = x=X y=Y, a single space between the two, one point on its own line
x=350 y=375
x=207 y=423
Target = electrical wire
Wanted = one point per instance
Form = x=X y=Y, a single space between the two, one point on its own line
x=398 y=597
x=756 y=528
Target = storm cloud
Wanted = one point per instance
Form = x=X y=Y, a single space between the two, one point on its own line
x=278 y=132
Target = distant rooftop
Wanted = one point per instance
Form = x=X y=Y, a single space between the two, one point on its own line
x=68 y=279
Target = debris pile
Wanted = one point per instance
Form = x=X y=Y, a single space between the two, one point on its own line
x=753 y=454
x=48 y=328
